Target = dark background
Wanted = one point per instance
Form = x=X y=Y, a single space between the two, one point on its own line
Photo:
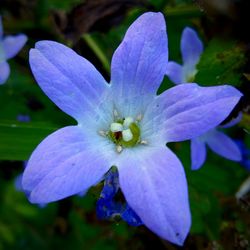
x=94 y=29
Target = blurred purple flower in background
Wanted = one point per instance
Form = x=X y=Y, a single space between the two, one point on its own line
x=9 y=47
x=123 y=124
x=191 y=49
x=245 y=161
x=220 y=143
x=108 y=208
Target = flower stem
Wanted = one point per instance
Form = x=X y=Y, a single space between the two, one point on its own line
x=96 y=49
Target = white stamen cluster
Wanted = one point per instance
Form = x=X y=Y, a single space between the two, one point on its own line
x=123 y=128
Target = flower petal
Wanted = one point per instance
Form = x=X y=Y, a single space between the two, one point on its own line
x=223 y=145
x=68 y=79
x=198 y=153
x=111 y=185
x=4 y=72
x=154 y=185
x=108 y=208
x=65 y=163
x=139 y=63
x=175 y=72
x=191 y=47
x=233 y=122
x=13 y=44
x=187 y=110
x=131 y=217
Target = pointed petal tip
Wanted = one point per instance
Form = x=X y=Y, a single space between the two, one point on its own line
x=25 y=181
x=35 y=198
x=226 y=91
x=191 y=46
x=32 y=51
x=139 y=63
x=233 y=90
x=43 y=43
x=34 y=55
x=152 y=17
x=24 y=37
x=178 y=238
x=190 y=31
x=13 y=44
x=223 y=145
x=195 y=167
x=151 y=14
x=162 y=206
x=198 y=153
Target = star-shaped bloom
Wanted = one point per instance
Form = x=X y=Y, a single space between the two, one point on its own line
x=191 y=49
x=123 y=124
x=9 y=47
x=220 y=143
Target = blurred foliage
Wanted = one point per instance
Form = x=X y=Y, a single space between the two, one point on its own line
x=245 y=122
x=221 y=63
x=210 y=189
x=218 y=221
x=18 y=140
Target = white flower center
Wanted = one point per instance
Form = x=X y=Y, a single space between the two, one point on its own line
x=127 y=134
x=124 y=132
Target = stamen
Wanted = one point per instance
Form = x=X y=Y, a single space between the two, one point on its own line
x=116 y=127
x=119 y=148
x=143 y=142
x=139 y=117
x=102 y=133
x=115 y=113
x=128 y=121
x=124 y=132
x=127 y=135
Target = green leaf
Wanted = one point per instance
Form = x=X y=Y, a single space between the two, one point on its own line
x=222 y=62
x=217 y=180
x=245 y=122
x=183 y=11
x=18 y=140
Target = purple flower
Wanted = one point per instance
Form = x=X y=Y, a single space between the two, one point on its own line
x=108 y=208
x=218 y=142
x=9 y=47
x=123 y=124
x=191 y=49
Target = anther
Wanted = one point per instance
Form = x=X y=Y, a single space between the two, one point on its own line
x=139 y=117
x=143 y=142
x=116 y=127
x=115 y=113
x=119 y=148
x=128 y=121
x=102 y=133
x=127 y=135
